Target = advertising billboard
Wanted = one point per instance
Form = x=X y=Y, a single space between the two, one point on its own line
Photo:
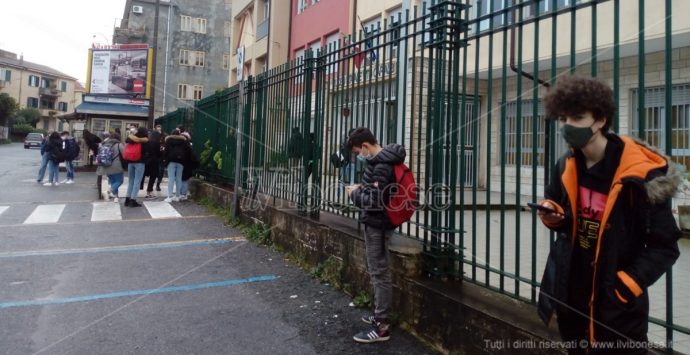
x=120 y=70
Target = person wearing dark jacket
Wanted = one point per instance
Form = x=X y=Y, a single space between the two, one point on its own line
x=371 y=197
x=91 y=141
x=616 y=234
x=188 y=168
x=177 y=153
x=135 y=169
x=151 y=155
x=55 y=157
x=71 y=148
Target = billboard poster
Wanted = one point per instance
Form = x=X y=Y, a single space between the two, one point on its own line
x=119 y=70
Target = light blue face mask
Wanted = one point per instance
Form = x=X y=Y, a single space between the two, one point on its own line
x=362 y=158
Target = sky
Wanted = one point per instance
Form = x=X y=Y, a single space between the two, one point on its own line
x=58 y=33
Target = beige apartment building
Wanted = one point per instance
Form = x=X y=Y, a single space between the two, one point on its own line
x=260 y=35
x=34 y=85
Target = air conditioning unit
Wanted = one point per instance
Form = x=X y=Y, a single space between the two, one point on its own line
x=137 y=9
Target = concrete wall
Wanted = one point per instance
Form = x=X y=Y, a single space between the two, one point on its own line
x=212 y=76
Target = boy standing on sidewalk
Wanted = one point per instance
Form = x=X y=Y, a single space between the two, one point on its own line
x=371 y=197
x=616 y=233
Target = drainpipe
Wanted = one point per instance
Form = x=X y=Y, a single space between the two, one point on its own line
x=270 y=38
x=354 y=21
x=165 y=65
x=513 y=67
x=289 y=33
x=547 y=126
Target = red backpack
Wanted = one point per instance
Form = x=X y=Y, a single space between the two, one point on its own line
x=132 y=152
x=403 y=196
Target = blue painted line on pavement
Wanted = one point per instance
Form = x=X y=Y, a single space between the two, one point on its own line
x=114 y=249
x=175 y=289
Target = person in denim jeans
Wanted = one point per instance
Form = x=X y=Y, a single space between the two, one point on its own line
x=177 y=154
x=135 y=168
x=114 y=172
x=55 y=156
x=44 y=161
x=71 y=149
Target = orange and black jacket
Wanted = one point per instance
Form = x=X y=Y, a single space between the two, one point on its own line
x=636 y=245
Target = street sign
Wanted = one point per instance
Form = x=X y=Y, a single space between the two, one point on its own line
x=240 y=63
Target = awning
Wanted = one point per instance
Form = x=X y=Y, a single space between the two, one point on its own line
x=113 y=109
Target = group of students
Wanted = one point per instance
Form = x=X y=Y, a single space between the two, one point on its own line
x=146 y=153
x=55 y=149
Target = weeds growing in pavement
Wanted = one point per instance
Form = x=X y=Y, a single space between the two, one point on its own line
x=259 y=233
x=329 y=271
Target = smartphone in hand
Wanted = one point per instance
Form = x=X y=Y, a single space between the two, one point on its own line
x=541 y=208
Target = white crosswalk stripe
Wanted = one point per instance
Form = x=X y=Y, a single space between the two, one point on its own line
x=106 y=211
x=161 y=210
x=83 y=212
x=45 y=214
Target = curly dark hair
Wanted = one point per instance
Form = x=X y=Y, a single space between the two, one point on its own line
x=359 y=136
x=574 y=95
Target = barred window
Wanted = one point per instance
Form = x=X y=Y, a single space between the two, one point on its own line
x=655 y=120
x=524 y=140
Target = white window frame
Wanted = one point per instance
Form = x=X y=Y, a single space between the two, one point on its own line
x=185 y=57
x=185 y=23
x=299 y=59
x=267 y=9
x=199 y=58
x=34 y=81
x=301 y=6
x=199 y=25
x=332 y=48
x=182 y=91
x=198 y=92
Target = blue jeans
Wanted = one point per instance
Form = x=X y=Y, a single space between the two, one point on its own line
x=53 y=171
x=185 y=187
x=174 y=178
x=42 y=169
x=136 y=173
x=70 y=169
x=116 y=181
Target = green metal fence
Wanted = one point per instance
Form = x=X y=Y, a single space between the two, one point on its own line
x=182 y=116
x=459 y=84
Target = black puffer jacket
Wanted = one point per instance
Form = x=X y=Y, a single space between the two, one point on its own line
x=177 y=149
x=54 y=150
x=373 y=195
x=638 y=243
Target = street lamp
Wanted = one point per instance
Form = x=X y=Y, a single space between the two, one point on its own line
x=107 y=41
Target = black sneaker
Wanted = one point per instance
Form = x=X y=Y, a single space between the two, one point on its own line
x=134 y=203
x=369 y=319
x=379 y=332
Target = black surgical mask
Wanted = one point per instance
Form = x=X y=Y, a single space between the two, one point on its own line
x=577 y=137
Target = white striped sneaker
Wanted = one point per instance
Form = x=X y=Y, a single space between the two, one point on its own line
x=379 y=332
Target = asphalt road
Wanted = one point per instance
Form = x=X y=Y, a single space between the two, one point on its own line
x=139 y=282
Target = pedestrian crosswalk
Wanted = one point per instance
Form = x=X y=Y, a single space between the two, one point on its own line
x=56 y=213
x=45 y=214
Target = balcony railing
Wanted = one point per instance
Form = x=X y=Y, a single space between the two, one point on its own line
x=51 y=91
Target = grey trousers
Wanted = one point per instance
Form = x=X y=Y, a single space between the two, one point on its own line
x=376 y=242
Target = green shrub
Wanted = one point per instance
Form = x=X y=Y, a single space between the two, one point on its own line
x=22 y=129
